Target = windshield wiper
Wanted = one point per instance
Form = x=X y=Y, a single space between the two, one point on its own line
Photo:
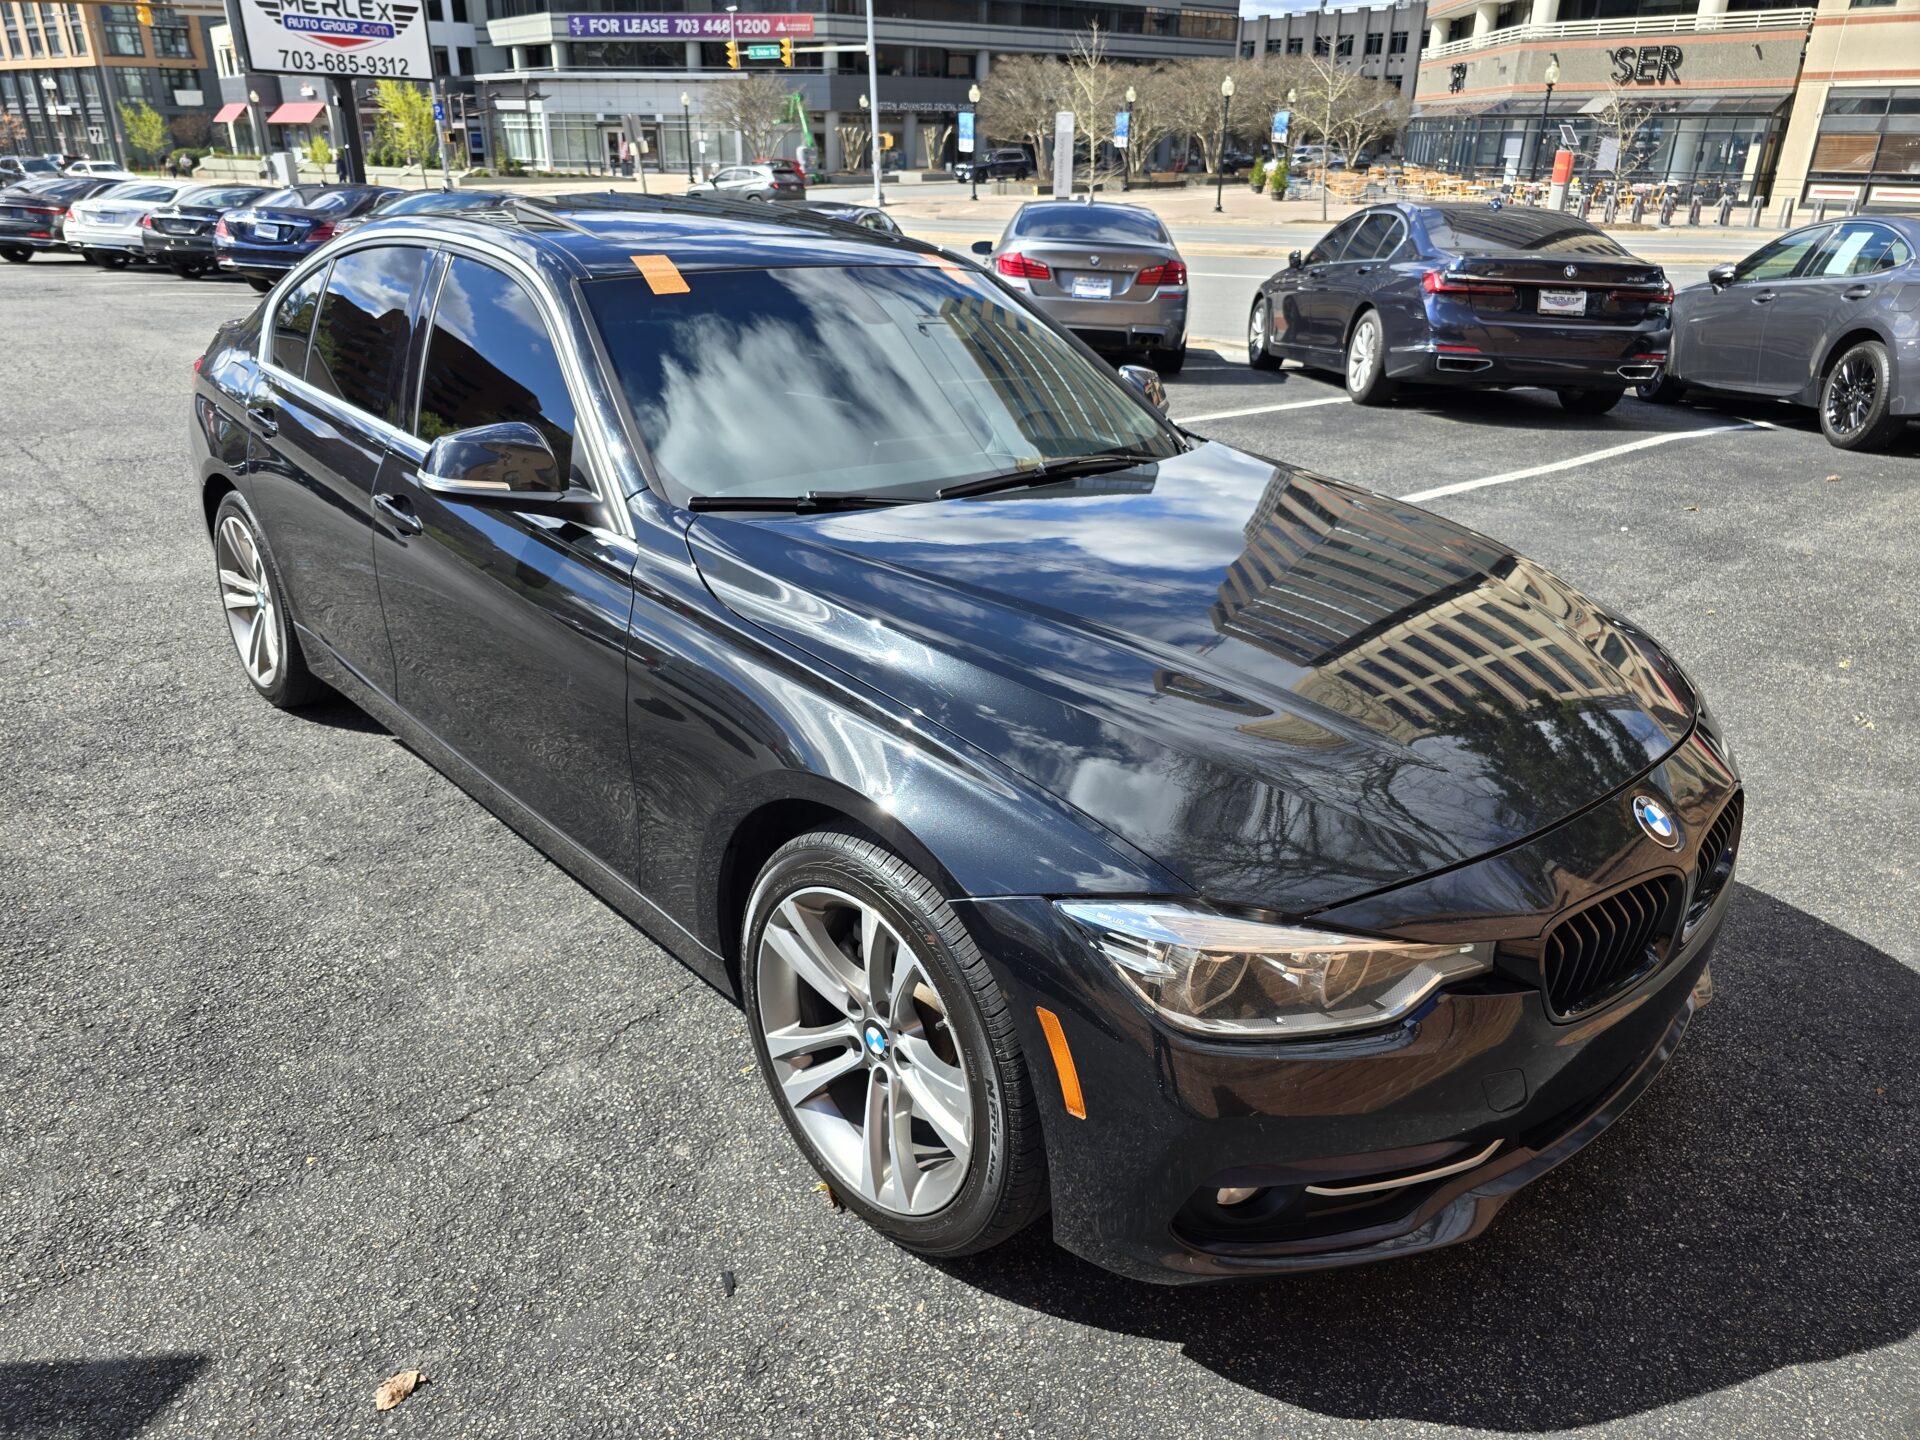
x=1046 y=472
x=813 y=500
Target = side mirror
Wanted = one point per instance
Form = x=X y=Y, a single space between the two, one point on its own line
x=1293 y=259
x=981 y=247
x=1720 y=276
x=509 y=465
x=1146 y=384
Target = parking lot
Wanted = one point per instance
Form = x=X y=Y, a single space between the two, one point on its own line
x=311 y=1071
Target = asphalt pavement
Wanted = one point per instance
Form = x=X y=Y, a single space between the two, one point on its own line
x=312 y=1072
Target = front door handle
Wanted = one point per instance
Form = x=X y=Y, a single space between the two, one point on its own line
x=1766 y=297
x=1856 y=292
x=400 y=511
x=1363 y=269
x=264 y=418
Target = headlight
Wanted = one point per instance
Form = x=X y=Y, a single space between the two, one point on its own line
x=1218 y=975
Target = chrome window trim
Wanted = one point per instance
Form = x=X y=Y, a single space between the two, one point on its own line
x=589 y=423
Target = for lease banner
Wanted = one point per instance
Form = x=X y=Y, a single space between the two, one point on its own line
x=688 y=27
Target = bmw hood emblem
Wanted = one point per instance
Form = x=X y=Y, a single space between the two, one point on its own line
x=1657 y=821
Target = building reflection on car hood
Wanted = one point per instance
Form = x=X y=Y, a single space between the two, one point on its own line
x=1285 y=690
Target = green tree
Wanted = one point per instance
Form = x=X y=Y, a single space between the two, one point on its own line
x=319 y=152
x=404 y=120
x=146 y=131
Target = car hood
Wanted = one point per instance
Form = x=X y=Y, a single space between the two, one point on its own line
x=1285 y=690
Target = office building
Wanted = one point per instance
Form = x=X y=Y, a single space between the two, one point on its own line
x=1381 y=41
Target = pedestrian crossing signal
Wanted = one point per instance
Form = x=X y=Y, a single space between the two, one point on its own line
x=733 y=55
x=786 y=53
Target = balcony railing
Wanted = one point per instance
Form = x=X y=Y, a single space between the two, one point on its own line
x=1631 y=25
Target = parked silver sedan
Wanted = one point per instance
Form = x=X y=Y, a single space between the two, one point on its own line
x=1109 y=273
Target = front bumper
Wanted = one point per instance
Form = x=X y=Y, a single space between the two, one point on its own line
x=1482 y=1076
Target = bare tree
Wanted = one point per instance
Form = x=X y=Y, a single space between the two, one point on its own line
x=1617 y=144
x=13 y=131
x=1094 y=90
x=756 y=106
x=1154 y=108
x=1192 y=94
x=854 y=143
x=1021 y=95
x=1343 y=109
x=933 y=139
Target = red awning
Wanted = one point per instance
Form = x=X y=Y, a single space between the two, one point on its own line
x=297 y=112
x=227 y=114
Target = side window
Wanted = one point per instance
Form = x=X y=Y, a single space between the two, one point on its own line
x=1369 y=241
x=489 y=359
x=1777 y=261
x=292 y=322
x=1860 y=249
x=363 y=326
x=1335 y=244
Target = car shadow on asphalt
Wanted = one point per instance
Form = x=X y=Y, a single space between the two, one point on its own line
x=337 y=712
x=1753 y=1213
x=90 y=1399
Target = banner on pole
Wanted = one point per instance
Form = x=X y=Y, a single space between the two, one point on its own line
x=1062 y=154
x=965 y=141
x=1122 y=128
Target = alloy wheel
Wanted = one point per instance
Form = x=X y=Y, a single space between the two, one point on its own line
x=1257 y=330
x=248 y=597
x=863 y=1052
x=1361 y=351
x=1851 y=393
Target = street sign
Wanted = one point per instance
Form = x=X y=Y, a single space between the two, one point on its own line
x=1122 y=128
x=763 y=52
x=439 y=113
x=1282 y=122
x=329 y=37
x=1062 y=154
x=965 y=142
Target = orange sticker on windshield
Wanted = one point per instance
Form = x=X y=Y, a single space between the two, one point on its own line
x=662 y=275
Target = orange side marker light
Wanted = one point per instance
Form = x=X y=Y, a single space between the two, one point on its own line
x=1063 y=1062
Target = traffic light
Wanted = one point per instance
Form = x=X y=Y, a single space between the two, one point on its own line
x=144 y=13
x=786 y=53
x=733 y=55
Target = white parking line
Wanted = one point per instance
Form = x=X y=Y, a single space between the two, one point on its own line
x=1261 y=409
x=1589 y=458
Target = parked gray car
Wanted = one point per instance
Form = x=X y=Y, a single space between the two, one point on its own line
x=752 y=182
x=1109 y=273
x=1819 y=317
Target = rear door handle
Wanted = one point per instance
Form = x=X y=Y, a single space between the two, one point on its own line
x=1857 y=292
x=263 y=416
x=399 y=510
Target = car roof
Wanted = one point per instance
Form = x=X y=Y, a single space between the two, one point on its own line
x=604 y=237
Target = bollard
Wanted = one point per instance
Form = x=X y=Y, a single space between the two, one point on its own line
x=1853 y=206
x=1693 y=211
x=1786 y=213
x=1586 y=204
x=1666 y=210
x=1819 y=211
x=1753 y=213
x=1639 y=211
x=1612 y=210
x=1726 y=210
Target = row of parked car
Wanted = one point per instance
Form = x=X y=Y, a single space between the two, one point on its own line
x=256 y=232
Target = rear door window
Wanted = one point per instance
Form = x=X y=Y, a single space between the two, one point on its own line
x=491 y=359
x=292 y=323
x=1780 y=259
x=364 y=326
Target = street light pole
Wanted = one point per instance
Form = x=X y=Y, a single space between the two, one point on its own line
x=686 y=112
x=1126 y=155
x=1220 y=165
x=873 y=121
x=973 y=168
x=1552 y=78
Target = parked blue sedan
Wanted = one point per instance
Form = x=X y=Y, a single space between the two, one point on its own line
x=264 y=240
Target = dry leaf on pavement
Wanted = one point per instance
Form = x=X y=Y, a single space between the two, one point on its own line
x=396 y=1388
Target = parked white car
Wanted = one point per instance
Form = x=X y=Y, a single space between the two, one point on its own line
x=106 y=228
x=99 y=170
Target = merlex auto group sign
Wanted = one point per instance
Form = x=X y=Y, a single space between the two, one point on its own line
x=384 y=38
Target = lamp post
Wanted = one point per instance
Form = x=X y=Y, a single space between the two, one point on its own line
x=1126 y=155
x=973 y=169
x=1220 y=165
x=873 y=117
x=1552 y=78
x=686 y=112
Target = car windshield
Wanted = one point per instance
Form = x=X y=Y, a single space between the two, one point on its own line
x=1090 y=222
x=1512 y=230
x=857 y=380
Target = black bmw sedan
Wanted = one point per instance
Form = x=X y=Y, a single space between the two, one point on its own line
x=1253 y=871
x=1476 y=295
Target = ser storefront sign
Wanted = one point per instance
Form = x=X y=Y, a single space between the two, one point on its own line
x=383 y=38
x=1647 y=64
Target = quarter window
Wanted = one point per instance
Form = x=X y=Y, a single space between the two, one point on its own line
x=490 y=359
x=364 y=326
x=293 y=322
x=1860 y=250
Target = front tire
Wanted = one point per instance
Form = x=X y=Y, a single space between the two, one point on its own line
x=1589 y=402
x=1855 y=400
x=888 y=1048
x=253 y=600
x=1367 y=380
x=1260 y=336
